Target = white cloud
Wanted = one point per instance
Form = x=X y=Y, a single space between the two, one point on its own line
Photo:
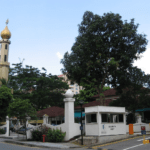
x=59 y=55
x=144 y=62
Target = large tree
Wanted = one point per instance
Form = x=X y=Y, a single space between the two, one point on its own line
x=103 y=51
x=136 y=94
x=40 y=88
x=5 y=99
x=21 y=109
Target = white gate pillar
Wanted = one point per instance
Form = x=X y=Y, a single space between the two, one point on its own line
x=69 y=113
x=7 y=126
x=45 y=119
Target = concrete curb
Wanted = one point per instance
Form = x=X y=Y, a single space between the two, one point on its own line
x=131 y=136
x=60 y=146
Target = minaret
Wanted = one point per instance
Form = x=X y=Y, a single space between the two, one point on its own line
x=4 y=51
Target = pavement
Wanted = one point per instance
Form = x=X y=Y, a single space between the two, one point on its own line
x=21 y=141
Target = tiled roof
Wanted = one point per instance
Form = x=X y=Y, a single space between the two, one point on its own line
x=51 y=112
x=60 y=75
x=110 y=92
x=94 y=103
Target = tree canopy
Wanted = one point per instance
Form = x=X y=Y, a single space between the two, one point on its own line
x=136 y=95
x=40 y=88
x=21 y=109
x=5 y=99
x=103 y=51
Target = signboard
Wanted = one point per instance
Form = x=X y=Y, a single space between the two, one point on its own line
x=143 y=132
x=142 y=128
x=35 y=121
x=103 y=131
x=81 y=127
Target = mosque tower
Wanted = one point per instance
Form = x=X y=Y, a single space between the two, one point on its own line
x=4 y=51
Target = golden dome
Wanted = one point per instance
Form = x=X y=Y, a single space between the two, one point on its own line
x=5 y=34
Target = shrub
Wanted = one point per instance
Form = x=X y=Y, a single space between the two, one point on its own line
x=2 y=131
x=37 y=135
x=55 y=135
x=44 y=129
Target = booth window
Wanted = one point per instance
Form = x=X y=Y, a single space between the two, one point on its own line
x=112 y=118
x=120 y=117
x=91 y=118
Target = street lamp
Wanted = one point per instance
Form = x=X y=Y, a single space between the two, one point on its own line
x=81 y=128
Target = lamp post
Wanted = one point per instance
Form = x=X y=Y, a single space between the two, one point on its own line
x=81 y=128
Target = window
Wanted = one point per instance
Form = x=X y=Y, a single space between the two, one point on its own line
x=76 y=88
x=112 y=118
x=5 y=46
x=72 y=83
x=91 y=118
x=120 y=117
x=5 y=58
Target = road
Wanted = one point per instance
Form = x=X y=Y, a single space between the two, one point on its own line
x=127 y=144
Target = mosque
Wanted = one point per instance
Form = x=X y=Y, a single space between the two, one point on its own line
x=4 y=52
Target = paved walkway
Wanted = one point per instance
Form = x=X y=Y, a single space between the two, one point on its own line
x=17 y=139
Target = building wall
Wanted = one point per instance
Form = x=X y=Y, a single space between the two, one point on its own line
x=73 y=86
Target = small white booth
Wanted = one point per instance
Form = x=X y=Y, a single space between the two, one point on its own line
x=105 y=120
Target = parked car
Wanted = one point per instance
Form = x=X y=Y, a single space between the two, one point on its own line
x=22 y=130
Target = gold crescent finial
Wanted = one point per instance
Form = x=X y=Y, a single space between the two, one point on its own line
x=7 y=22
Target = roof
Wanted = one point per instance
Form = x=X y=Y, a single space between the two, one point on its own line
x=144 y=109
x=60 y=75
x=110 y=92
x=51 y=112
x=94 y=103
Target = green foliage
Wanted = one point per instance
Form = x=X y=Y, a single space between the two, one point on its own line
x=5 y=99
x=40 y=88
x=2 y=131
x=103 y=51
x=36 y=135
x=21 y=108
x=55 y=135
x=87 y=93
x=134 y=96
x=130 y=118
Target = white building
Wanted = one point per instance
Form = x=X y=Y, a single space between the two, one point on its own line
x=73 y=86
x=105 y=120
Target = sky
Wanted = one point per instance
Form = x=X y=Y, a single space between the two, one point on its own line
x=43 y=30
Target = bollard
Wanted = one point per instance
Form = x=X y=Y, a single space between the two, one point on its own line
x=131 y=129
x=44 y=137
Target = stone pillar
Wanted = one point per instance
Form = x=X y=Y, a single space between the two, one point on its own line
x=99 y=123
x=69 y=113
x=139 y=119
x=26 y=123
x=45 y=119
x=7 y=126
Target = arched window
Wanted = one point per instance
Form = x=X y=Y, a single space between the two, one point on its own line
x=5 y=58
x=6 y=46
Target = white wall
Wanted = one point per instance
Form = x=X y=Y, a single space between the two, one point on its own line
x=73 y=132
x=137 y=127
x=113 y=129
x=91 y=129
